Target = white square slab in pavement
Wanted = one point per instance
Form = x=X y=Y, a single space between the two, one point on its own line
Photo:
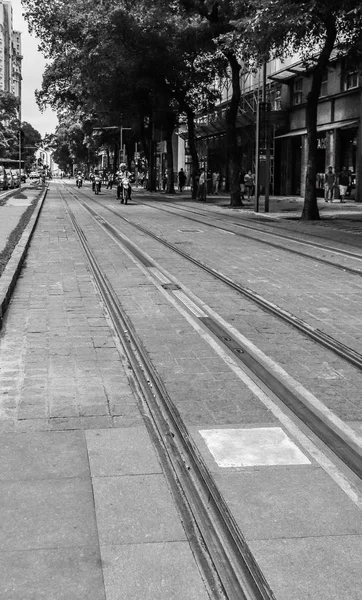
x=265 y=446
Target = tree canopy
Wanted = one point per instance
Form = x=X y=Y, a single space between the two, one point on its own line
x=123 y=62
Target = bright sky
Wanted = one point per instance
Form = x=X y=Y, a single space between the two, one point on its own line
x=32 y=69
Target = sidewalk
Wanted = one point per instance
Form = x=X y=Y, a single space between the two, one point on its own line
x=283 y=207
x=85 y=510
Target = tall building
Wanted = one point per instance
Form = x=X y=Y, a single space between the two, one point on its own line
x=10 y=51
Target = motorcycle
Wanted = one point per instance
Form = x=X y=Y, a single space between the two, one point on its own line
x=97 y=185
x=79 y=182
x=126 y=190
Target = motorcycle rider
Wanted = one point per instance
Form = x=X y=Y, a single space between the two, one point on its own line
x=121 y=175
x=79 y=180
x=97 y=182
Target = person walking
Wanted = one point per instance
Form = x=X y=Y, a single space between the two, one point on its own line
x=215 y=182
x=344 y=180
x=242 y=184
x=201 y=194
x=329 y=184
x=249 y=183
x=209 y=181
x=181 y=180
x=110 y=181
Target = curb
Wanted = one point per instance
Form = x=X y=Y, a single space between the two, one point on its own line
x=12 y=270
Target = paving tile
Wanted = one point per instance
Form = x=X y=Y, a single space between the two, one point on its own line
x=300 y=501
x=135 y=509
x=52 y=574
x=166 y=571
x=312 y=568
x=43 y=455
x=121 y=452
x=46 y=513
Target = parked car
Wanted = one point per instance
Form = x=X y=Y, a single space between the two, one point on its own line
x=16 y=178
x=11 y=184
x=3 y=179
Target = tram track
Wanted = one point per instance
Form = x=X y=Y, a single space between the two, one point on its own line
x=189 y=463
x=247 y=227
x=345 y=444
x=238 y=575
x=318 y=336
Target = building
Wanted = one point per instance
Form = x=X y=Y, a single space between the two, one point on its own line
x=284 y=90
x=44 y=161
x=10 y=51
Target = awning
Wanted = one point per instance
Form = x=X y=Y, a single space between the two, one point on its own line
x=324 y=127
x=216 y=127
x=300 y=67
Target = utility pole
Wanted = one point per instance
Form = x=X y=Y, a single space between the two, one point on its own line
x=266 y=141
x=122 y=152
x=257 y=151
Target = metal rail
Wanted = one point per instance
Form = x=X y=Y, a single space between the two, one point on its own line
x=346 y=450
x=273 y=244
x=322 y=338
x=240 y=576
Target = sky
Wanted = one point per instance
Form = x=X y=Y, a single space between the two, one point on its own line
x=33 y=65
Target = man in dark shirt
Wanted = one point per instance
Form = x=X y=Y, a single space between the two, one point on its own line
x=344 y=180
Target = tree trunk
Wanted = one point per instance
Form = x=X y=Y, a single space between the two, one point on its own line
x=310 y=208
x=231 y=136
x=195 y=165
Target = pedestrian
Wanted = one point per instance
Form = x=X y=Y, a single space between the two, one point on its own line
x=201 y=193
x=329 y=184
x=209 y=181
x=215 y=182
x=242 y=184
x=164 y=181
x=110 y=181
x=344 y=181
x=181 y=180
x=249 y=183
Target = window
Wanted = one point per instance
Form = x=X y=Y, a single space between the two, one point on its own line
x=298 y=90
x=277 y=100
x=324 y=86
x=349 y=79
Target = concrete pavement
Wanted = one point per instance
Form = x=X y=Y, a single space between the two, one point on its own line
x=86 y=511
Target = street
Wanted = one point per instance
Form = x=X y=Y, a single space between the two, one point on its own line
x=165 y=337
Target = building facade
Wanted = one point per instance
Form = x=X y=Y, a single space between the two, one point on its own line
x=10 y=51
x=282 y=90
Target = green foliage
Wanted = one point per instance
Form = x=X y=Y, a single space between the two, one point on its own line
x=9 y=124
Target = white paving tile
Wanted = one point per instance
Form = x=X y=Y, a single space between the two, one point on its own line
x=268 y=446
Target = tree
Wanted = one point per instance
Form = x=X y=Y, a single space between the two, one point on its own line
x=143 y=54
x=9 y=124
x=221 y=17
x=31 y=138
x=313 y=30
